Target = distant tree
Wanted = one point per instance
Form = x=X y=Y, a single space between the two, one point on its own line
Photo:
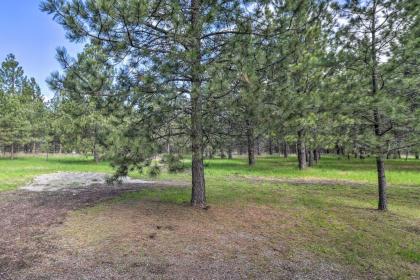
x=21 y=107
x=83 y=91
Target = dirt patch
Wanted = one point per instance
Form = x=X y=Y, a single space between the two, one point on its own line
x=74 y=182
x=27 y=215
x=41 y=237
x=156 y=240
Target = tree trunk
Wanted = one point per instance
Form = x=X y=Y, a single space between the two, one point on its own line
x=251 y=144
x=198 y=192
x=12 y=151
x=211 y=153
x=270 y=146
x=95 y=154
x=301 y=150
x=417 y=155
x=230 y=152
x=222 y=153
x=382 y=204
x=258 y=146
x=316 y=156
x=310 y=158
x=285 y=150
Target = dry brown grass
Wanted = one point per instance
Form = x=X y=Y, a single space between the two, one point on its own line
x=164 y=240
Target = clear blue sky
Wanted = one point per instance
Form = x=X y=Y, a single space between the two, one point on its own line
x=32 y=36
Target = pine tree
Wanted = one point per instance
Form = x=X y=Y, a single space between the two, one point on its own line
x=369 y=30
x=167 y=45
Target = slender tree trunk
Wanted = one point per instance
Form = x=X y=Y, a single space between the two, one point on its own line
x=229 y=151
x=310 y=158
x=211 y=152
x=12 y=151
x=270 y=146
x=382 y=203
x=258 y=146
x=222 y=153
x=301 y=150
x=95 y=146
x=95 y=154
x=250 y=143
x=198 y=192
x=316 y=156
x=417 y=155
x=285 y=149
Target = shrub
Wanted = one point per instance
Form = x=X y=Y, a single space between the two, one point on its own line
x=174 y=162
x=154 y=170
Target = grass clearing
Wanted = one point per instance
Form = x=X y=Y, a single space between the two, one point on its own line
x=253 y=222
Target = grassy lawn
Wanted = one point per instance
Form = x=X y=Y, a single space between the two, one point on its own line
x=337 y=224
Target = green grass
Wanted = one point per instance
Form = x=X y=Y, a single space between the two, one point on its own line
x=399 y=171
x=339 y=223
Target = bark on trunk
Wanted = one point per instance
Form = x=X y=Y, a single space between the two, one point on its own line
x=251 y=144
x=230 y=152
x=310 y=158
x=285 y=150
x=382 y=203
x=12 y=151
x=258 y=147
x=222 y=153
x=95 y=154
x=198 y=192
x=301 y=150
x=316 y=156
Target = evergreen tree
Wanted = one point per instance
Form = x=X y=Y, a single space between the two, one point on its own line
x=167 y=46
x=368 y=31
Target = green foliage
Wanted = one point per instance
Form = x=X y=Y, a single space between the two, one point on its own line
x=174 y=162
x=23 y=113
x=154 y=170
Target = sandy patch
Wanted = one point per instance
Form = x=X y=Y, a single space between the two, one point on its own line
x=69 y=181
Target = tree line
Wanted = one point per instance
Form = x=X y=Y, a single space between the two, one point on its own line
x=224 y=77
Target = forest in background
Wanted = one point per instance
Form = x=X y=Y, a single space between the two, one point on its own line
x=221 y=78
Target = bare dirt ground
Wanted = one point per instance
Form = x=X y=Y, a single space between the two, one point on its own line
x=41 y=237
